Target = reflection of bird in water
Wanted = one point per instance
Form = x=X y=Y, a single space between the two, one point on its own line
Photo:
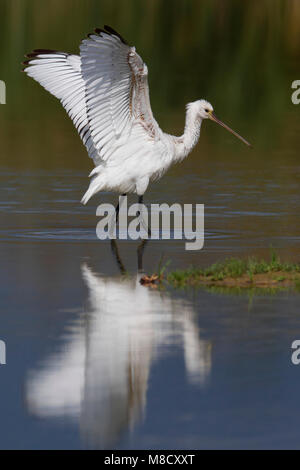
x=100 y=376
x=105 y=92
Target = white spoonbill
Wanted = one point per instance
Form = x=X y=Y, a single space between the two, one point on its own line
x=105 y=92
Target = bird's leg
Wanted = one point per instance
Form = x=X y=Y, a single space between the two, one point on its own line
x=115 y=217
x=118 y=210
x=140 y=254
x=140 y=202
x=142 y=245
x=115 y=251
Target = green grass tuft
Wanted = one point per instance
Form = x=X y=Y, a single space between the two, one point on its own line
x=234 y=268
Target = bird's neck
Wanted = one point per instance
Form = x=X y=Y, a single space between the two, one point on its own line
x=190 y=137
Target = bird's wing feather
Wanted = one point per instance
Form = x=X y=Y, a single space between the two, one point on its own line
x=60 y=74
x=105 y=92
x=117 y=93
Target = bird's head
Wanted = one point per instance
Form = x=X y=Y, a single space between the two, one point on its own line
x=205 y=111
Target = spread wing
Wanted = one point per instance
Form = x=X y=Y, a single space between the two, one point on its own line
x=117 y=94
x=105 y=92
x=60 y=74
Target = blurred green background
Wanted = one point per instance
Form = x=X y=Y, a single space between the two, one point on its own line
x=240 y=55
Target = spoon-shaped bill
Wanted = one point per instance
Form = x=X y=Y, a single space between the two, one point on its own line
x=214 y=118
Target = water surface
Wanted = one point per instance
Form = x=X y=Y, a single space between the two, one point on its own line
x=94 y=359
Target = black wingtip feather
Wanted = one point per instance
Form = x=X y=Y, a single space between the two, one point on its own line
x=25 y=64
x=99 y=31
x=45 y=51
x=110 y=30
x=36 y=52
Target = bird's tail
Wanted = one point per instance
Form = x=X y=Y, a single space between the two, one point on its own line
x=95 y=185
x=87 y=196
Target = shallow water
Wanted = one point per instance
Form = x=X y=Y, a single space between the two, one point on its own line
x=95 y=360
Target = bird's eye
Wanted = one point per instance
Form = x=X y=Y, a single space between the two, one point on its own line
x=206 y=110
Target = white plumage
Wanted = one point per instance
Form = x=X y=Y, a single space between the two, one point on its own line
x=99 y=374
x=105 y=92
